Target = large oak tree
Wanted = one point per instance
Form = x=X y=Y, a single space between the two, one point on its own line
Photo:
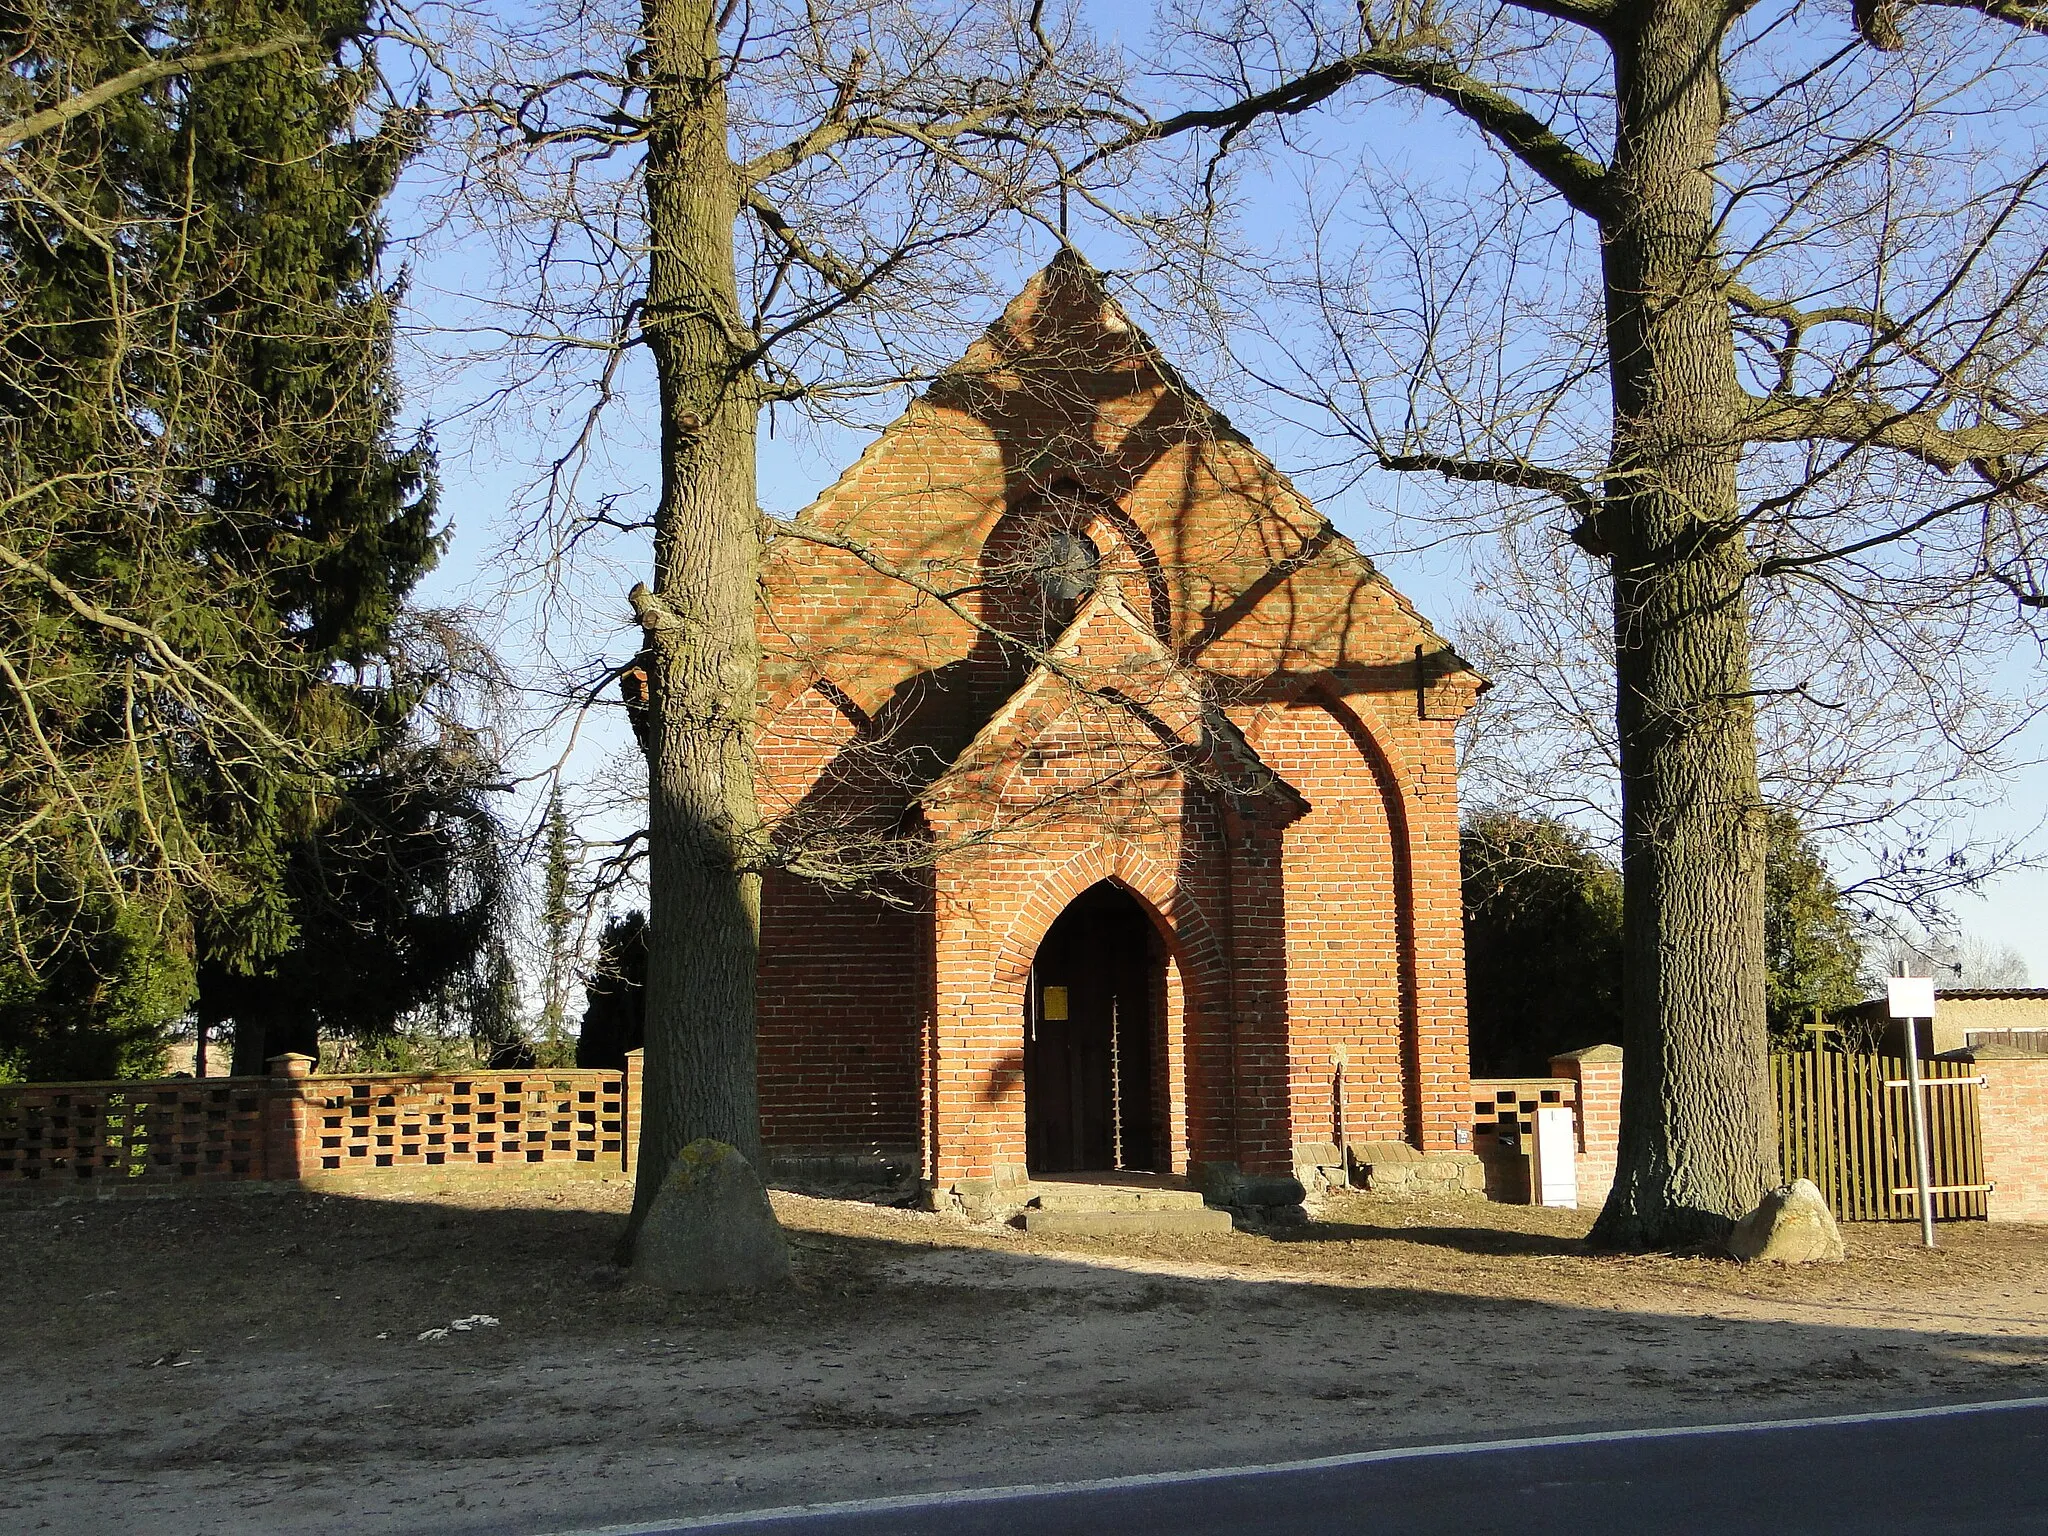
x=771 y=204
x=1809 y=244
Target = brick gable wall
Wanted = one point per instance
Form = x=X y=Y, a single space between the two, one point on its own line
x=1293 y=934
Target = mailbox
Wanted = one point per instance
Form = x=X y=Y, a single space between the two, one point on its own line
x=1554 y=1172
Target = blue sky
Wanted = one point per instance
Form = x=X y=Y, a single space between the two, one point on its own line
x=484 y=473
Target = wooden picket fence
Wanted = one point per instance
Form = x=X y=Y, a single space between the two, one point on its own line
x=1843 y=1123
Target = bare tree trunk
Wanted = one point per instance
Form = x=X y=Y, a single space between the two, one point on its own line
x=1928 y=391
x=1696 y=1132
x=703 y=889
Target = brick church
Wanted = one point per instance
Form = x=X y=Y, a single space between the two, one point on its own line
x=1151 y=775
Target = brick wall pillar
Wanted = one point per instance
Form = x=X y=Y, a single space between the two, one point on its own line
x=1597 y=1072
x=629 y=1112
x=286 y=1119
x=2013 y=1108
x=1443 y=1086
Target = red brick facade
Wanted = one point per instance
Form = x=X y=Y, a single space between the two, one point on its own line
x=1127 y=651
x=2014 y=1108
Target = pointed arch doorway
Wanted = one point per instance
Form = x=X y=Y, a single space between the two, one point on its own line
x=1088 y=1043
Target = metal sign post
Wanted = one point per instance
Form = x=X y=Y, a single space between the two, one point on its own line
x=1912 y=998
x=1915 y=1091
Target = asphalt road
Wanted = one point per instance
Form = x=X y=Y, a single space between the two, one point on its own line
x=1976 y=1469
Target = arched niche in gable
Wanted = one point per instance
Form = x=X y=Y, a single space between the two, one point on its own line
x=1051 y=550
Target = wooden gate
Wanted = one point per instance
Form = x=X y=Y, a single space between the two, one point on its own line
x=1845 y=1123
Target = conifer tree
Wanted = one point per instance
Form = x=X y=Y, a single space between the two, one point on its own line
x=615 y=1014
x=1812 y=952
x=1542 y=942
x=398 y=902
x=207 y=521
x=555 y=922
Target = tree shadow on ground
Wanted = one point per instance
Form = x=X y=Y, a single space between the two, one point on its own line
x=232 y=1344
x=1486 y=1240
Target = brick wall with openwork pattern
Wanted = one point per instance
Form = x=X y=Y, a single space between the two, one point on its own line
x=1504 y=1123
x=483 y=1119
x=79 y=1137
x=141 y=1133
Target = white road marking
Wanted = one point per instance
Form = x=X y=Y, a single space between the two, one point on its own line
x=963 y=1496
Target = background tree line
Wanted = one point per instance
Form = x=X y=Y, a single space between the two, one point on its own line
x=1543 y=940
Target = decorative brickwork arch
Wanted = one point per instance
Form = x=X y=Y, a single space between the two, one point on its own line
x=1191 y=983
x=1113 y=530
x=1336 y=1016
x=1146 y=878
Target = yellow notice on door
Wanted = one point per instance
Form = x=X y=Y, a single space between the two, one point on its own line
x=1052 y=1003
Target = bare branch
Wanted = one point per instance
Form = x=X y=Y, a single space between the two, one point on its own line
x=1879 y=22
x=1924 y=435
x=1567 y=488
x=1576 y=176
x=1593 y=14
x=135 y=79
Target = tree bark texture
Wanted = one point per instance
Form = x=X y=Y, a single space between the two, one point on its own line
x=704 y=902
x=1697 y=1144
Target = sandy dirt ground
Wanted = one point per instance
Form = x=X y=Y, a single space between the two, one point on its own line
x=255 y=1362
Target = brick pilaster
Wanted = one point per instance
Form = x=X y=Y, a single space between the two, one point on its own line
x=285 y=1117
x=2013 y=1109
x=629 y=1111
x=1597 y=1072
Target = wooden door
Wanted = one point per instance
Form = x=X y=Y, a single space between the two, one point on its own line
x=1087 y=1053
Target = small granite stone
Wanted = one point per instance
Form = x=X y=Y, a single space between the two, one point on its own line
x=1792 y=1225
x=1218 y=1182
x=1269 y=1190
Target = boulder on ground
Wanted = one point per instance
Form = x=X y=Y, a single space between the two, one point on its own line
x=711 y=1227
x=1792 y=1225
x=1269 y=1191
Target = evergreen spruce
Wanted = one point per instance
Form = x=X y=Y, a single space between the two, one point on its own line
x=1543 y=940
x=555 y=921
x=1813 y=953
x=396 y=901
x=209 y=520
x=615 y=1015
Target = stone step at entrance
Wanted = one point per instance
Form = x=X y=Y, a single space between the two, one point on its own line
x=1110 y=1205
x=1059 y=1195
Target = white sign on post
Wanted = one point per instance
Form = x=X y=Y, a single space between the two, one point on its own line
x=1912 y=997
